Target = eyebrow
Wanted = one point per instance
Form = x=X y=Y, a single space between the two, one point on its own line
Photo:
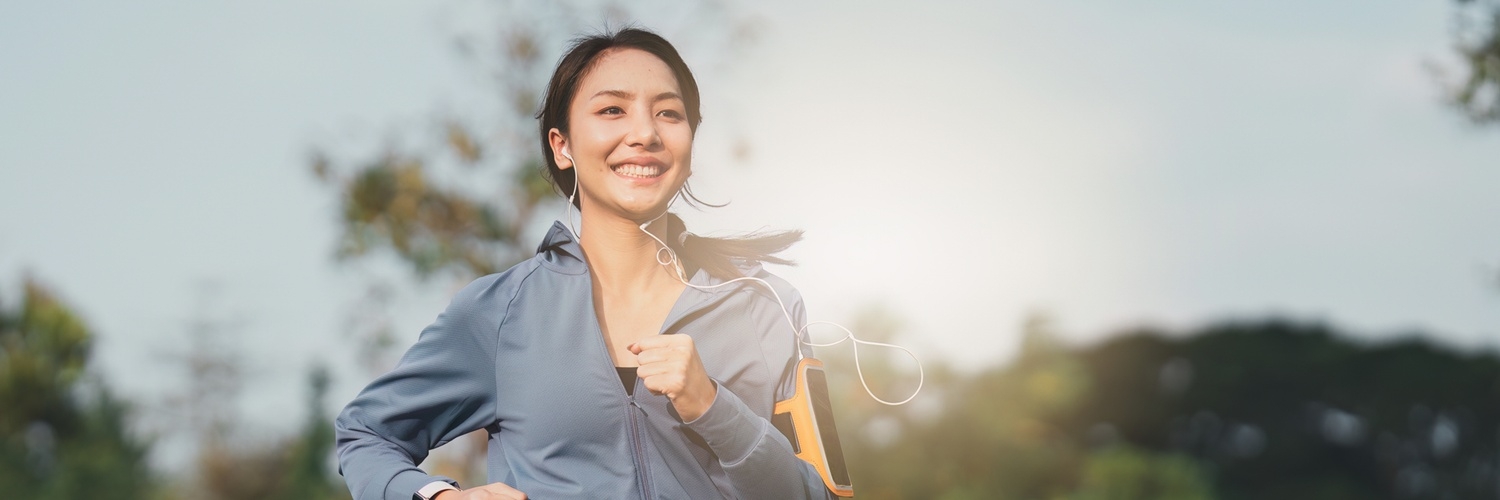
x=627 y=95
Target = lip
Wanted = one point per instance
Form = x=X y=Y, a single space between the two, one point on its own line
x=644 y=161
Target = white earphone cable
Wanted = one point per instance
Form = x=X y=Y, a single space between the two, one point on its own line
x=802 y=336
x=569 y=209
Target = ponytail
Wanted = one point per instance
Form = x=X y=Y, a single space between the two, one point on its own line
x=718 y=256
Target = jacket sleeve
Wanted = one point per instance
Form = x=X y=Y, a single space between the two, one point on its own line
x=757 y=457
x=443 y=387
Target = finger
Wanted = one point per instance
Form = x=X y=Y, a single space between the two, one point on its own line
x=658 y=388
x=652 y=356
x=682 y=349
x=660 y=341
x=648 y=371
x=649 y=343
x=663 y=383
x=503 y=490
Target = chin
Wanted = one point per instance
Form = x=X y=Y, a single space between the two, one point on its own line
x=648 y=206
x=642 y=215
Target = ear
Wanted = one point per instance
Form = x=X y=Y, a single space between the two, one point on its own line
x=560 y=153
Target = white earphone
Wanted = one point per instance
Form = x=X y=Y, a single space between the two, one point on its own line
x=575 y=175
x=572 y=195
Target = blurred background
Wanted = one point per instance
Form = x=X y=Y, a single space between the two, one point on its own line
x=1164 y=250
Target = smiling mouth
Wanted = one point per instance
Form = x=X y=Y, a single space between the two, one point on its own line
x=639 y=171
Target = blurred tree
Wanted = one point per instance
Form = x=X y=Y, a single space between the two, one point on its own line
x=233 y=459
x=1277 y=409
x=63 y=434
x=233 y=466
x=308 y=457
x=1127 y=473
x=999 y=433
x=1236 y=410
x=1477 y=41
x=206 y=409
x=1478 y=44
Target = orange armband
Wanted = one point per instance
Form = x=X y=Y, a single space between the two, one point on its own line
x=807 y=421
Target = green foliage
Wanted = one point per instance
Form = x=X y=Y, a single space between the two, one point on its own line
x=45 y=348
x=309 y=477
x=1327 y=417
x=62 y=433
x=460 y=201
x=393 y=203
x=1237 y=410
x=1478 y=44
x=1126 y=473
x=281 y=469
x=993 y=434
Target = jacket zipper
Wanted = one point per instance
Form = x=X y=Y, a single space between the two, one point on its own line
x=638 y=449
x=637 y=444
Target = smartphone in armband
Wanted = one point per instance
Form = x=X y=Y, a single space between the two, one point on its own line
x=807 y=421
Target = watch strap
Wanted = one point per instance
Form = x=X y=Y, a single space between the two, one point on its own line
x=432 y=489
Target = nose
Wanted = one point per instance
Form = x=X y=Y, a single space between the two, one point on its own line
x=643 y=131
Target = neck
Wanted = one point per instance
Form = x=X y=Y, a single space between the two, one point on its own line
x=621 y=256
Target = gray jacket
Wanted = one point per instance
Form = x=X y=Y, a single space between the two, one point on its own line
x=520 y=355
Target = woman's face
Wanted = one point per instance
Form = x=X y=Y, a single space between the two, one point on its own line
x=630 y=141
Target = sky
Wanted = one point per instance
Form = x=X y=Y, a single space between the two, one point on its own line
x=959 y=165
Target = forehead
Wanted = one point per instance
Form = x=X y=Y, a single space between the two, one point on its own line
x=628 y=69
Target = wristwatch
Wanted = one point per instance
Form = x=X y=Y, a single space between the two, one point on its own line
x=432 y=489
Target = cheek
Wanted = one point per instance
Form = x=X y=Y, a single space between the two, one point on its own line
x=680 y=142
x=590 y=136
x=597 y=138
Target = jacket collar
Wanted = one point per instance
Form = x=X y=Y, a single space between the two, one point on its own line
x=560 y=250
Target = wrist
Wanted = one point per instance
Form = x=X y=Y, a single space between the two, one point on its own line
x=698 y=401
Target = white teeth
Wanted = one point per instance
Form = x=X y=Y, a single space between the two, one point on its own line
x=641 y=171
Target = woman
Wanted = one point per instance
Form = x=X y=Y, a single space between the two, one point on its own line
x=619 y=362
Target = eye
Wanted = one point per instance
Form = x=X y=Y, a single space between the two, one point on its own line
x=612 y=110
x=671 y=114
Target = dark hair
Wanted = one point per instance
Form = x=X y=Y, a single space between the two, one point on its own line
x=716 y=255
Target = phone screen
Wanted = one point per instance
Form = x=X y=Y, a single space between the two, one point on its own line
x=817 y=385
